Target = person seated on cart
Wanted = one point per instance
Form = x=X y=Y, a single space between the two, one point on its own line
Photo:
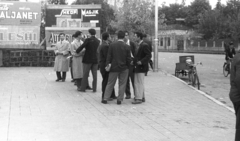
x=229 y=52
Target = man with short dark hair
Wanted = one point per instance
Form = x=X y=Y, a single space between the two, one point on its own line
x=130 y=74
x=235 y=91
x=140 y=68
x=118 y=61
x=90 y=60
x=103 y=51
x=61 y=62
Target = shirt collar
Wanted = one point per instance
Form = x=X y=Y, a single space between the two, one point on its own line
x=121 y=40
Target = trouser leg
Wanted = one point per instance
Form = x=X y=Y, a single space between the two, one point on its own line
x=71 y=69
x=123 y=76
x=110 y=85
x=63 y=75
x=78 y=81
x=94 y=69
x=86 y=69
x=237 y=113
x=139 y=85
x=58 y=75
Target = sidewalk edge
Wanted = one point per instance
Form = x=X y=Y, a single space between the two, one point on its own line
x=201 y=92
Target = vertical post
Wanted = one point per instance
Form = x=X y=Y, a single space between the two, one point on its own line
x=156 y=38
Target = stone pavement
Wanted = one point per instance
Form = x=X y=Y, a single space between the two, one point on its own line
x=33 y=107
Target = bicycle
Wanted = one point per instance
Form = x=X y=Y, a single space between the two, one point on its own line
x=193 y=76
x=227 y=67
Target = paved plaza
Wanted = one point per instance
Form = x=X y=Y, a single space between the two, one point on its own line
x=33 y=107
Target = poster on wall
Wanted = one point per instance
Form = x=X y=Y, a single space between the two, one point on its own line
x=52 y=35
x=19 y=37
x=73 y=16
x=20 y=13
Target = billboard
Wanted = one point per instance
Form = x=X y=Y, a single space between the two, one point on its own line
x=52 y=35
x=19 y=37
x=70 y=18
x=20 y=13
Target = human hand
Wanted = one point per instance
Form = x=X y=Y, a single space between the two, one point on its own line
x=139 y=63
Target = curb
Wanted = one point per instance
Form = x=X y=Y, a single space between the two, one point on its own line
x=201 y=92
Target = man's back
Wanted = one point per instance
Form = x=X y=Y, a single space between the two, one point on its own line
x=118 y=56
x=91 y=47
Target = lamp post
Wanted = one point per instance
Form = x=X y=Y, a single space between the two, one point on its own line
x=156 y=38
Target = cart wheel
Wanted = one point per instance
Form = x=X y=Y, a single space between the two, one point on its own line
x=176 y=73
x=225 y=70
x=197 y=81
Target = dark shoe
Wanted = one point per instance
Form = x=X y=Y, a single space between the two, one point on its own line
x=63 y=80
x=143 y=100
x=88 y=88
x=138 y=101
x=119 y=102
x=104 y=101
x=128 y=97
x=58 y=80
x=81 y=90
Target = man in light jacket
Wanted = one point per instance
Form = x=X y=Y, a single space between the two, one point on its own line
x=61 y=61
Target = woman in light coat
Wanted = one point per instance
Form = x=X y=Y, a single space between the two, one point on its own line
x=77 y=64
x=61 y=61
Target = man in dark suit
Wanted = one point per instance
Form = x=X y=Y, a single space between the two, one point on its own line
x=141 y=60
x=145 y=39
x=103 y=51
x=235 y=91
x=90 y=60
x=118 y=61
x=131 y=75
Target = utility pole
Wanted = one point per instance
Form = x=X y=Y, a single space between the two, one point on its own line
x=156 y=38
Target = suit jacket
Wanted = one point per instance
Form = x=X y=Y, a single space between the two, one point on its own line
x=149 y=44
x=118 y=56
x=143 y=55
x=103 y=52
x=235 y=79
x=91 y=45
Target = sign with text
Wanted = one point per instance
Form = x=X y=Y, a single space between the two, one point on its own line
x=20 y=13
x=52 y=35
x=73 y=16
x=19 y=37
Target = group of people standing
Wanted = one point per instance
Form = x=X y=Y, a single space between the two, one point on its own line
x=122 y=59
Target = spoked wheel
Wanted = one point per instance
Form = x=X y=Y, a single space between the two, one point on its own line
x=225 y=70
x=176 y=73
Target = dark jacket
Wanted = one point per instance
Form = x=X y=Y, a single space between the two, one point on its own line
x=103 y=52
x=91 y=45
x=229 y=53
x=235 y=79
x=149 y=44
x=118 y=56
x=143 y=55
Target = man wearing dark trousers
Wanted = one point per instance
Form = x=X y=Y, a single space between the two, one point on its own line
x=103 y=50
x=130 y=74
x=61 y=61
x=118 y=61
x=90 y=60
x=150 y=48
x=141 y=60
x=235 y=91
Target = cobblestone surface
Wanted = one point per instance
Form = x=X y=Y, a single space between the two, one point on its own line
x=33 y=107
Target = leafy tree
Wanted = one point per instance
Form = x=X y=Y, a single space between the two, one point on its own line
x=196 y=9
x=135 y=16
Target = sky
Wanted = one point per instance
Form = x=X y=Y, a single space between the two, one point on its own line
x=212 y=2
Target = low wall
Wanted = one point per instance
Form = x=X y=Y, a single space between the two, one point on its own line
x=36 y=58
